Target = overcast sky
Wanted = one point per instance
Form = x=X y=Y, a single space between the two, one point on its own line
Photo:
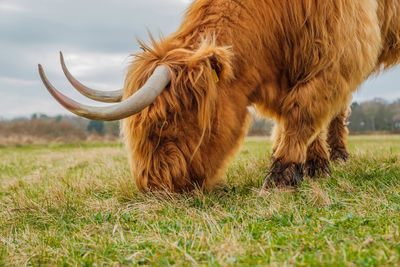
x=96 y=37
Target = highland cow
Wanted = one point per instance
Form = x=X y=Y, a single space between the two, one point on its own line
x=186 y=97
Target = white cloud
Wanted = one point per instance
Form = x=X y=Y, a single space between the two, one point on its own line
x=6 y=81
x=86 y=63
x=11 y=7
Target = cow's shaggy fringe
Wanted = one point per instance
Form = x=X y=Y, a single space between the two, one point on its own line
x=193 y=88
x=296 y=61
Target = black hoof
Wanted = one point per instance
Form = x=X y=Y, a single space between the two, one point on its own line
x=339 y=156
x=317 y=167
x=284 y=175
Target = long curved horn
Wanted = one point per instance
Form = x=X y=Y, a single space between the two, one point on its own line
x=134 y=104
x=102 y=96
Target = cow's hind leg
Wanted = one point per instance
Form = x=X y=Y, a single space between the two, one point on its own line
x=337 y=137
x=305 y=112
x=317 y=163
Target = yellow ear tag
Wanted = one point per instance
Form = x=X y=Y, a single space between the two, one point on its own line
x=214 y=73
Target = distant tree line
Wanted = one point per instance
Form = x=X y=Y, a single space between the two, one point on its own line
x=88 y=126
x=40 y=128
x=367 y=117
x=260 y=126
x=376 y=115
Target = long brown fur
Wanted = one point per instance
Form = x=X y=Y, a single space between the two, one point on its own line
x=389 y=23
x=296 y=61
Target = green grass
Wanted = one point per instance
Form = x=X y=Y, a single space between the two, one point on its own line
x=77 y=205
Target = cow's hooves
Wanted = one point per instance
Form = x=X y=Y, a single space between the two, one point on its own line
x=317 y=167
x=284 y=175
x=337 y=156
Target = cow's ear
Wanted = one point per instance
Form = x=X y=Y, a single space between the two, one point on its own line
x=216 y=66
x=221 y=61
x=213 y=56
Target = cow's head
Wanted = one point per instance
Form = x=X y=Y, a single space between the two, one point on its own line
x=179 y=125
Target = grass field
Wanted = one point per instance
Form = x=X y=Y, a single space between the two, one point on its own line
x=77 y=205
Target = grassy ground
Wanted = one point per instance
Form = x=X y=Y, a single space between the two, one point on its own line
x=76 y=205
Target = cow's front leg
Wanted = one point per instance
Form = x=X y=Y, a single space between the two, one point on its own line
x=276 y=137
x=317 y=163
x=337 y=137
x=305 y=112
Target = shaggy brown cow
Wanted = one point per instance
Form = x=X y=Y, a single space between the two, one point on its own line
x=186 y=97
